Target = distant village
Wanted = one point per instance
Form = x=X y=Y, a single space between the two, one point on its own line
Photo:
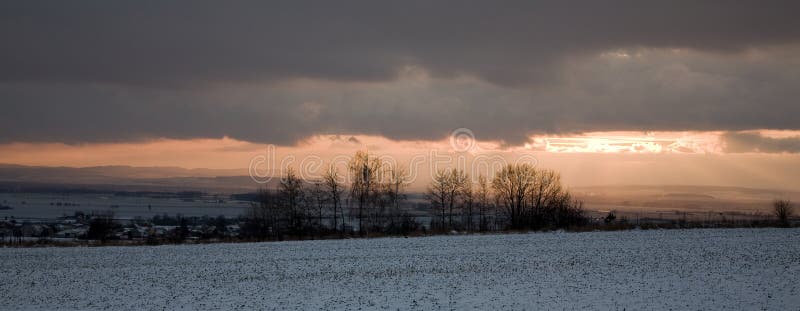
x=83 y=226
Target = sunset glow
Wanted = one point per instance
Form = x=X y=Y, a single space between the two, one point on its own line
x=230 y=153
x=626 y=154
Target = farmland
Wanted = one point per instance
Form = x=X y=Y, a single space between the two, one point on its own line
x=711 y=269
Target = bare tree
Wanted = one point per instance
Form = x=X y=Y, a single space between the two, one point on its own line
x=317 y=198
x=783 y=209
x=437 y=193
x=533 y=198
x=483 y=202
x=512 y=187
x=459 y=181
x=566 y=211
x=393 y=192
x=335 y=190
x=267 y=216
x=291 y=191
x=446 y=193
x=364 y=171
x=468 y=204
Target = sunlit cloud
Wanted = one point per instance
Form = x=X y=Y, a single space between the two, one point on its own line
x=631 y=142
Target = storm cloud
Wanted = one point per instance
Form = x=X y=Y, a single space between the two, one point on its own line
x=280 y=71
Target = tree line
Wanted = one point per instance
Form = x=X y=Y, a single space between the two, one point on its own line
x=373 y=201
x=370 y=203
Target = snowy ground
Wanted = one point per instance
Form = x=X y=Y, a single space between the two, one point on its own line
x=750 y=269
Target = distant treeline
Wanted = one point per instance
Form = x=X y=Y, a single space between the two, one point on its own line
x=519 y=197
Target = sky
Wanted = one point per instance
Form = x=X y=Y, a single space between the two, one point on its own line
x=679 y=92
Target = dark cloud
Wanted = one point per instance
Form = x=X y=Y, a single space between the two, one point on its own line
x=280 y=71
x=739 y=142
x=512 y=43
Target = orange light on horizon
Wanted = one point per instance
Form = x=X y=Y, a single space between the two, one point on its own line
x=230 y=153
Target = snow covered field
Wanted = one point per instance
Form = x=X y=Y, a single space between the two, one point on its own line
x=750 y=269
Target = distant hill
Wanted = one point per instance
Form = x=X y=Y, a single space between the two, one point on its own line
x=123 y=178
x=695 y=198
x=21 y=171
